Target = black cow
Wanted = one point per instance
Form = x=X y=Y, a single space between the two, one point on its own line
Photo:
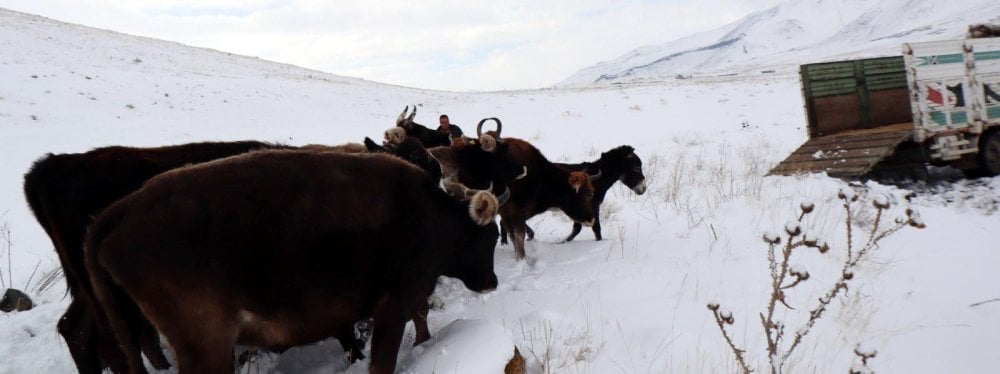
x=65 y=191
x=281 y=248
x=428 y=137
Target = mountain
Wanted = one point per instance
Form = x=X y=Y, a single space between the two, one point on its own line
x=793 y=33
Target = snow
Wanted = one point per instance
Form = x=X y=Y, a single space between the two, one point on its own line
x=633 y=302
x=463 y=346
x=865 y=349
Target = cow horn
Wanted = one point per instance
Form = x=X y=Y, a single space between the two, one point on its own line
x=402 y=116
x=414 y=114
x=458 y=190
x=502 y=199
x=479 y=128
x=524 y=174
x=594 y=177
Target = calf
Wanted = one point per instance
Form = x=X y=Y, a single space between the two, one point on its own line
x=281 y=248
x=64 y=191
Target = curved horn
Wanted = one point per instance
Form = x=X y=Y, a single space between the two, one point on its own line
x=479 y=128
x=594 y=177
x=459 y=190
x=402 y=116
x=502 y=199
x=414 y=114
x=524 y=174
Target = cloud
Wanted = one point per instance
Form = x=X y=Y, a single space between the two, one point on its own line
x=436 y=44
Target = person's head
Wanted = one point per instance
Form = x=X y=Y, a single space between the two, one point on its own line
x=444 y=121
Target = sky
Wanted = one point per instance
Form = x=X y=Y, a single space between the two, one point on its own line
x=433 y=44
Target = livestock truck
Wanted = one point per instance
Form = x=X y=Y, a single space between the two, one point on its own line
x=937 y=104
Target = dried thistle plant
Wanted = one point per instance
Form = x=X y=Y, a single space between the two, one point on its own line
x=786 y=276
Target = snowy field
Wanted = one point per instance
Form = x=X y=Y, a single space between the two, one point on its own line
x=632 y=303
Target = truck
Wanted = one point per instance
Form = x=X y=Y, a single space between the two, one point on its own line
x=936 y=104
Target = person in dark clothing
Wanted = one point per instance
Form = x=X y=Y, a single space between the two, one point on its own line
x=448 y=128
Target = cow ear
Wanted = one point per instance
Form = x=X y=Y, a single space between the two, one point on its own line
x=483 y=207
x=488 y=143
x=577 y=180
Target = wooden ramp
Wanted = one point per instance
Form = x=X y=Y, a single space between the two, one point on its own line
x=848 y=154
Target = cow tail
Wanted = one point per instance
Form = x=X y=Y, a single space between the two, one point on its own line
x=107 y=295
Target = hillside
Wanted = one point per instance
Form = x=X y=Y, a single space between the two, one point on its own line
x=633 y=302
x=792 y=33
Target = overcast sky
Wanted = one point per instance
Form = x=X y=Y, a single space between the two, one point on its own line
x=437 y=44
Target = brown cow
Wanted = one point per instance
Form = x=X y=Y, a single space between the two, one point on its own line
x=546 y=186
x=65 y=191
x=618 y=164
x=281 y=248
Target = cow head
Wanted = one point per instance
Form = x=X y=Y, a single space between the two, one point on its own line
x=472 y=262
x=488 y=158
x=575 y=201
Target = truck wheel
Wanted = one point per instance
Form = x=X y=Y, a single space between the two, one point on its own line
x=988 y=159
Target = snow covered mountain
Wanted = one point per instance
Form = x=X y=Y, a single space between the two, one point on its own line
x=634 y=302
x=794 y=33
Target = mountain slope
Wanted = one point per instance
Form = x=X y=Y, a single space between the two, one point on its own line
x=793 y=33
x=634 y=302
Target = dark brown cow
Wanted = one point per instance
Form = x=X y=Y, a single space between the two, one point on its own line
x=429 y=137
x=546 y=186
x=473 y=163
x=65 y=191
x=481 y=163
x=281 y=248
x=618 y=164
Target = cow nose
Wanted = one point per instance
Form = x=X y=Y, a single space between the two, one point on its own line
x=491 y=285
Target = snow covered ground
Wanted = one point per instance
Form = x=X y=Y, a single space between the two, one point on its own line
x=634 y=302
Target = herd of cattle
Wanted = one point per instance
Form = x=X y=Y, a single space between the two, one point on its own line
x=272 y=246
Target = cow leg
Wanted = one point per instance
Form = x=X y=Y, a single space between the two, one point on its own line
x=388 y=332
x=149 y=340
x=351 y=343
x=504 y=231
x=597 y=224
x=518 y=229
x=577 y=227
x=420 y=324
x=529 y=232
x=78 y=327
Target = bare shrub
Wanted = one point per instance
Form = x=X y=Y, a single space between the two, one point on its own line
x=785 y=277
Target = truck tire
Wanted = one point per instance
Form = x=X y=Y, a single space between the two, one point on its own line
x=988 y=158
